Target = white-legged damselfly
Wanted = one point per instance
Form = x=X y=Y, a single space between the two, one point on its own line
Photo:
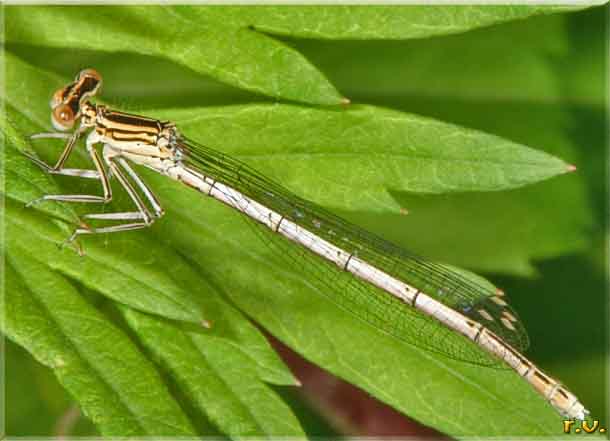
x=390 y=288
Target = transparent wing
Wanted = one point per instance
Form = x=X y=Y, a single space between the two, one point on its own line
x=468 y=294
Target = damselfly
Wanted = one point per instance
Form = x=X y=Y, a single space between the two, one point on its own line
x=389 y=287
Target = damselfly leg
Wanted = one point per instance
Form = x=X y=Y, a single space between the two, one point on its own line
x=59 y=169
x=117 y=167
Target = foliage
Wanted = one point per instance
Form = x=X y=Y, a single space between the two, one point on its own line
x=122 y=328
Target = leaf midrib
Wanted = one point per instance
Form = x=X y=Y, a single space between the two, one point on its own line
x=371 y=155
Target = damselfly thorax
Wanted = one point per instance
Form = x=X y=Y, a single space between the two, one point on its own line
x=391 y=289
x=144 y=141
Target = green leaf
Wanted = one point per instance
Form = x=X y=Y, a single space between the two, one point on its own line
x=307 y=146
x=404 y=152
x=231 y=395
x=116 y=386
x=366 y=22
x=165 y=294
x=365 y=147
x=241 y=57
x=497 y=65
x=511 y=231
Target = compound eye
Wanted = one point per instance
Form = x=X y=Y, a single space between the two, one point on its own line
x=90 y=82
x=63 y=117
x=58 y=97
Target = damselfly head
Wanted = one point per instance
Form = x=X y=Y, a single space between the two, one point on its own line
x=66 y=102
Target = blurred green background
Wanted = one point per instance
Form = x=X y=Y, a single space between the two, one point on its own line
x=542 y=82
